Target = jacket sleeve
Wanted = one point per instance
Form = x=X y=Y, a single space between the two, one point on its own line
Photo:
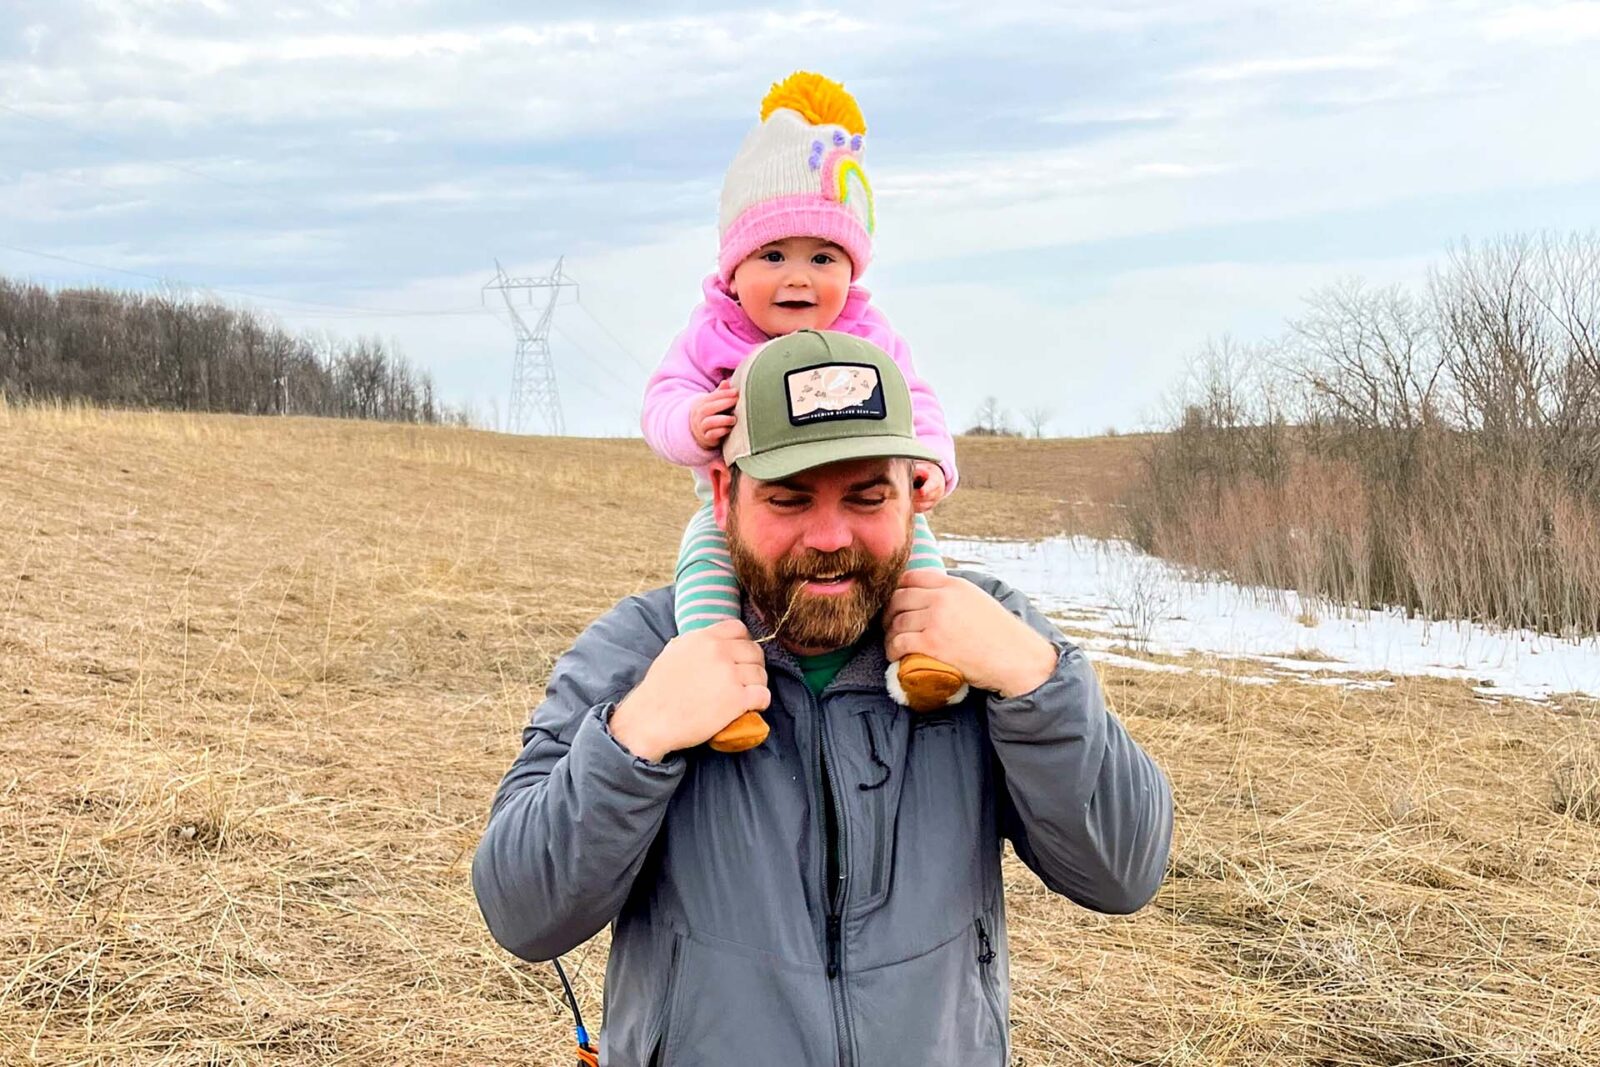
x=574 y=818
x=678 y=382
x=1085 y=807
x=927 y=413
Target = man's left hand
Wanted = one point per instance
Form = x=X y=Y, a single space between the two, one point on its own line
x=954 y=621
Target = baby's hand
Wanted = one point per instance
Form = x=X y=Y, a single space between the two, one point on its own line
x=927 y=481
x=711 y=417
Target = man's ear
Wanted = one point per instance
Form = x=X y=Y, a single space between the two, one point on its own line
x=721 y=487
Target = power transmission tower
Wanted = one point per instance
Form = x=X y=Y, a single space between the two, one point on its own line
x=533 y=376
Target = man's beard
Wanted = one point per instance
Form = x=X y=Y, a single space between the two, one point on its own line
x=810 y=620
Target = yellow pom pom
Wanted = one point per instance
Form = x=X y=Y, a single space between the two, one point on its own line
x=821 y=101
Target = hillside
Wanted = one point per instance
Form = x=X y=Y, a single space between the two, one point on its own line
x=1020 y=487
x=259 y=677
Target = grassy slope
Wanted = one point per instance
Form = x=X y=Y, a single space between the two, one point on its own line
x=1014 y=487
x=258 y=679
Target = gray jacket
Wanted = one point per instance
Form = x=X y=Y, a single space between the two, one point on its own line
x=735 y=939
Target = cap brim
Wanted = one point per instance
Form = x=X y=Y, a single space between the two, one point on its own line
x=791 y=460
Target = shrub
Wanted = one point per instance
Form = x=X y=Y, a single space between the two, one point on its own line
x=1439 y=453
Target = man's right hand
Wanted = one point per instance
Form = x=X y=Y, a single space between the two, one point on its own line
x=701 y=681
x=711 y=417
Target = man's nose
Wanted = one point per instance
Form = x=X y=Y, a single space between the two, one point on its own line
x=827 y=530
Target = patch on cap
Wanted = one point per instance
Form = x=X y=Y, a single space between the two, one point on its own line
x=831 y=391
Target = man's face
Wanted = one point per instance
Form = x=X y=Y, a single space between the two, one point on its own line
x=820 y=553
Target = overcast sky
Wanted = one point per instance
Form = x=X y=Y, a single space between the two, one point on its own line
x=1071 y=197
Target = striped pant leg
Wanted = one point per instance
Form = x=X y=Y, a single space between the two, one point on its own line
x=925 y=554
x=706 y=590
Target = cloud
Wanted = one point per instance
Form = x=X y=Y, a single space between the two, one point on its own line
x=512 y=78
x=1108 y=181
x=1559 y=24
x=1277 y=67
x=1080 y=350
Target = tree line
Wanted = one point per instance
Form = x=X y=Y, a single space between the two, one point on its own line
x=176 y=352
x=1435 y=447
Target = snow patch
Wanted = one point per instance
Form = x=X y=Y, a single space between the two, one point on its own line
x=1122 y=597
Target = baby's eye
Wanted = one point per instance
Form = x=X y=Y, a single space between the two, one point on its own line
x=772 y=256
x=822 y=259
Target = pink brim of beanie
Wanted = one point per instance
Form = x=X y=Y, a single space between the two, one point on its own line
x=795 y=216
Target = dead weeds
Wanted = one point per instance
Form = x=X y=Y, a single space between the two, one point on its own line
x=260 y=677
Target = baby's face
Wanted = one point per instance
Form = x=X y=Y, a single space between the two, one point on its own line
x=798 y=283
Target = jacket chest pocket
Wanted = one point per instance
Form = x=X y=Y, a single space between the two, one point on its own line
x=918 y=780
x=946 y=813
x=877 y=804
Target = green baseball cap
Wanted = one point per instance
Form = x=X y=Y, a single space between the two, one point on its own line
x=815 y=397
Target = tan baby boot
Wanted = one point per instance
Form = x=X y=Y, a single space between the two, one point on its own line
x=747 y=731
x=923 y=683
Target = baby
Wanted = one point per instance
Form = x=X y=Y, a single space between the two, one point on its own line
x=796 y=228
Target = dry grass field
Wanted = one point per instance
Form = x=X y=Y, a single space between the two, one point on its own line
x=258 y=679
x=1021 y=487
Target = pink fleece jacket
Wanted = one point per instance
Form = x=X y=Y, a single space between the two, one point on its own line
x=717 y=339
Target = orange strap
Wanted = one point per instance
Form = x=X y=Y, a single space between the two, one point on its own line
x=588 y=1057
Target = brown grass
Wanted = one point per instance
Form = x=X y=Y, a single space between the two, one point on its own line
x=258 y=679
x=1022 y=487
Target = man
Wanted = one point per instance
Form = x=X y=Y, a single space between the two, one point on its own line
x=833 y=896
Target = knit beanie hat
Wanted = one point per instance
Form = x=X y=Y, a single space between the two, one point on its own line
x=798 y=174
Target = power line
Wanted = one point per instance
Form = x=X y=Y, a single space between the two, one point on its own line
x=466 y=311
x=168 y=280
x=353 y=310
x=179 y=167
x=523 y=375
x=617 y=377
x=607 y=398
x=626 y=404
x=616 y=341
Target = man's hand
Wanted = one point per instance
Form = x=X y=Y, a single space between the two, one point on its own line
x=700 y=682
x=927 y=485
x=955 y=621
x=711 y=417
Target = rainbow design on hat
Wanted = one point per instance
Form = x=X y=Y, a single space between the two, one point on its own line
x=843 y=177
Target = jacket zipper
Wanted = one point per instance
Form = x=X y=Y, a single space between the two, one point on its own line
x=834 y=894
x=986 y=979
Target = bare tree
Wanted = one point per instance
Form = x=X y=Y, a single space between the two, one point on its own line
x=1371 y=356
x=1036 y=417
x=992 y=420
x=1439 y=451
x=1519 y=321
